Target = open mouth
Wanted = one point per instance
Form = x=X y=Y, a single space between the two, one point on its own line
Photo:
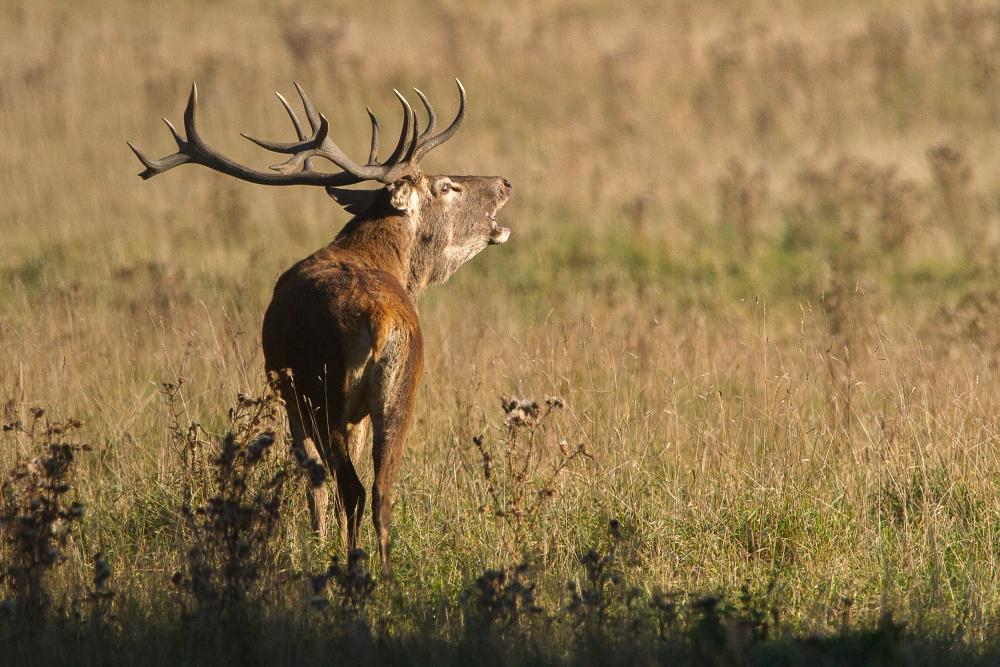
x=498 y=234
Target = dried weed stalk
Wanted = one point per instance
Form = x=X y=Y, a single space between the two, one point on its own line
x=522 y=471
x=37 y=514
x=500 y=603
x=591 y=600
x=233 y=513
x=346 y=605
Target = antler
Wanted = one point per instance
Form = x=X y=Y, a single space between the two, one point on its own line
x=299 y=168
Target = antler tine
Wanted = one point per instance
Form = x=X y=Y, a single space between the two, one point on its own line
x=177 y=135
x=373 y=153
x=155 y=167
x=414 y=139
x=307 y=104
x=429 y=144
x=299 y=132
x=304 y=141
x=293 y=147
x=291 y=114
x=301 y=151
x=431 y=116
x=404 y=134
x=286 y=147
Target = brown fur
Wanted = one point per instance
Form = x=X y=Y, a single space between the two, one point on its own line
x=342 y=331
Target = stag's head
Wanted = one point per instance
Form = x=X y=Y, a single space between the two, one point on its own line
x=452 y=218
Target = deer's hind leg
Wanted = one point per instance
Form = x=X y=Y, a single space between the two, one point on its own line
x=334 y=452
x=351 y=491
x=357 y=439
x=316 y=495
x=394 y=396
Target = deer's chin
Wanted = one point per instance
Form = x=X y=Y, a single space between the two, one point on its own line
x=499 y=235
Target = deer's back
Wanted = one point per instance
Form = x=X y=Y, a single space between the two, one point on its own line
x=329 y=320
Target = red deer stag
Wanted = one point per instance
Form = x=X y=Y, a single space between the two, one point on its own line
x=342 y=330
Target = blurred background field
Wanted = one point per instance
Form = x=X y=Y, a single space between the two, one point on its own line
x=756 y=249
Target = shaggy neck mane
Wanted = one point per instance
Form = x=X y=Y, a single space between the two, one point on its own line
x=383 y=238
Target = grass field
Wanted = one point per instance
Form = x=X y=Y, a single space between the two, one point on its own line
x=755 y=250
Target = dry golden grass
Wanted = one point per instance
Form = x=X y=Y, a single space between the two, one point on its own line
x=755 y=248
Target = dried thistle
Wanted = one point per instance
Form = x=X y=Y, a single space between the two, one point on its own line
x=521 y=471
x=500 y=601
x=234 y=512
x=36 y=514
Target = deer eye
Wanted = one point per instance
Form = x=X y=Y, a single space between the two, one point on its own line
x=445 y=188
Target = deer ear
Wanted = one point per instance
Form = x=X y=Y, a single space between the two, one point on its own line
x=403 y=195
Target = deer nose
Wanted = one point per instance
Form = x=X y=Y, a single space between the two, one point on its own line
x=506 y=185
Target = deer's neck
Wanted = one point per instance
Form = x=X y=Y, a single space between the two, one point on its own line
x=384 y=243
